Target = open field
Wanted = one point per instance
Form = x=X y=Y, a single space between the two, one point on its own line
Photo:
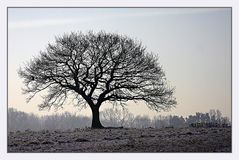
x=122 y=140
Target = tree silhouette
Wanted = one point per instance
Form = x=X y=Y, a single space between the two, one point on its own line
x=97 y=68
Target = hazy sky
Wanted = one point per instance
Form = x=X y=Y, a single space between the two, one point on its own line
x=193 y=44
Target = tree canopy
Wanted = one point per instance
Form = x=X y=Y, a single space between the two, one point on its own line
x=97 y=68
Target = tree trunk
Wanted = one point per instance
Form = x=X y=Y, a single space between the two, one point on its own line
x=96 y=118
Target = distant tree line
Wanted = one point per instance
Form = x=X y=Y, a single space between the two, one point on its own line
x=18 y=120
x=115 y=117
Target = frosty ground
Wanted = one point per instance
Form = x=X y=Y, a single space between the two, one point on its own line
x=122 y=140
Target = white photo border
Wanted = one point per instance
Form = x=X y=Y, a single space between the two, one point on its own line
x=4 y=4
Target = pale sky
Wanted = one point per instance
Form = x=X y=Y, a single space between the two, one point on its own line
x=193 y=45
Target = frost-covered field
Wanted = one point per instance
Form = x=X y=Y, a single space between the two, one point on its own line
x=122 y=140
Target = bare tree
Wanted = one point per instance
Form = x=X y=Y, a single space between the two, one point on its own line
x=117 y=116
x=176 y=121
x=97 y=68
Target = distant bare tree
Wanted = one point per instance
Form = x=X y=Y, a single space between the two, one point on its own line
x=212 y=114
x=97 y=68
x=116 y=116
x=176 y=121
x=142 y=122
x=160 y=121
x=218 y=116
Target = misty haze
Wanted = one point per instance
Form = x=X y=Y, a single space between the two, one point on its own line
x=83 y=85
